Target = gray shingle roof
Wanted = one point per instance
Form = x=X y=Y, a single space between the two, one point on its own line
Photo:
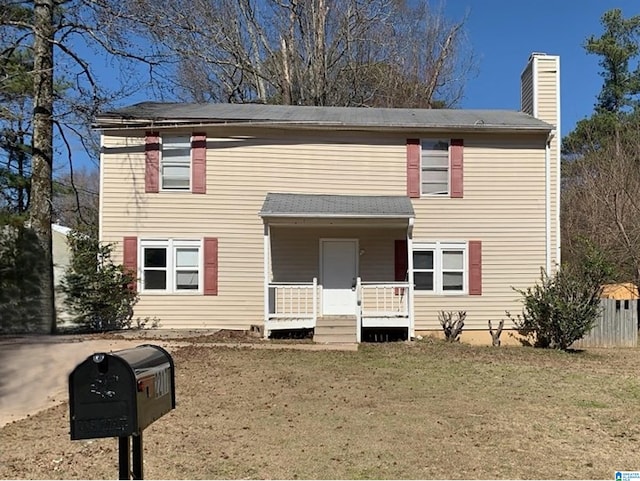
x=158 y=114
x=343 y=206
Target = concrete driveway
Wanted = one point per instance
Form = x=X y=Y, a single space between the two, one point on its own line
x=34 y=370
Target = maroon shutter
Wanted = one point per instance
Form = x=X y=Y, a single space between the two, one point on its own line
x=152 y=162
x=475 y=268
x=413 y=168
x=199 y=163
x=130 y=258
x=210 y=266
x=401 y=263
x=457 y=178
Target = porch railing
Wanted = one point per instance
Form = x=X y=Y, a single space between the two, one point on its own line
x=293 y=300
x=384 y=299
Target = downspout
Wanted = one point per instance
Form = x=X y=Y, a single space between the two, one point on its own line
x=558 y=167
x=101 y=189
x=412 y=328
x=547 y=203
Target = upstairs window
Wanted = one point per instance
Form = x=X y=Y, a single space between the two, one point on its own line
x=175 y=162
x=434 y=167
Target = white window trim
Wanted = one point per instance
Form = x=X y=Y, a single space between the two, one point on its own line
x=171 y=245
x=161 y=164
x=444 y=194
x=438 y=247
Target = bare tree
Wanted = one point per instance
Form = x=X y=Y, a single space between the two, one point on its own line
x=75 y=200
x=42 y=156
x=601 y=203
x=66 y=94
x=310 y=52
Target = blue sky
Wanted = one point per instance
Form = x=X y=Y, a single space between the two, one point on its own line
x=503 y=33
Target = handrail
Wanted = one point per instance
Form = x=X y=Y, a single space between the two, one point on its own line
x=293 y=300
x=384 y=299
x=386 y=283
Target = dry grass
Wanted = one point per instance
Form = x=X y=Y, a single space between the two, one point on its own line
x=419 y=411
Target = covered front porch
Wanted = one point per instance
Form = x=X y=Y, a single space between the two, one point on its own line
x=337 y=264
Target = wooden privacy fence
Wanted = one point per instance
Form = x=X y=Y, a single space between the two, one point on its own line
x=617 y=325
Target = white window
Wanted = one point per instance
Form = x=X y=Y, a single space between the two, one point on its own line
x=435 y=167
x=440 y=268
x=171 y=266
x=175 y=162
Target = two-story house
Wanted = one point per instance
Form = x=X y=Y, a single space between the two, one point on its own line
x=291 y=217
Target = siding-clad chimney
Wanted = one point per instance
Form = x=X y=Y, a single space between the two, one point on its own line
x=540 y=97
x=540 y=88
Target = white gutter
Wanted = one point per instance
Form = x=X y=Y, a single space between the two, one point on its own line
x=324 y=126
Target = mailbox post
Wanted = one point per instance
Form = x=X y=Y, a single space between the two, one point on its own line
x=119 y=394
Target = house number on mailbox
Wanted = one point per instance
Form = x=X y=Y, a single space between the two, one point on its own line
x=163 y=382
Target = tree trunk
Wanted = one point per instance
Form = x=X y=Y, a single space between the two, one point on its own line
x=42 y=160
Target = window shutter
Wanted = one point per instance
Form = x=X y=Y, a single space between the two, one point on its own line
x=152 y=162
x=475 y=268
x=457 y=178
x=401 y=263
x=199 y=163
x=413 y=168
x=210 y=266
x=130 y=258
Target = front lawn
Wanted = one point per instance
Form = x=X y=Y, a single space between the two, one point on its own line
x=421 y=411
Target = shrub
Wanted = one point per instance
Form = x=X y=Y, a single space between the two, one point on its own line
x=451 y=327
x=495 y=334
x=97 y=291
x=564 y=307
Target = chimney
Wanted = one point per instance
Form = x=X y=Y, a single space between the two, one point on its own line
x=540 y=88
x=540 y=98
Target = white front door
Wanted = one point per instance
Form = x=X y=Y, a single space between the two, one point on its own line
x=339 y=267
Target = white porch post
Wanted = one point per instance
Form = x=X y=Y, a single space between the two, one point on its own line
x=266 y=260
x=412 y=329
x=358 y=310
x=314 y=297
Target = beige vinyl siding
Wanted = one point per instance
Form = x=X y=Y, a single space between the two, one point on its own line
x=240 y=172
x=504 y=207
x=526 y=92
x=295 y=251
x=547 y=76
x=548 y=110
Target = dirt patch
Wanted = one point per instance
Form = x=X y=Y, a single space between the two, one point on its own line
x=425 y=410
x=227 y=335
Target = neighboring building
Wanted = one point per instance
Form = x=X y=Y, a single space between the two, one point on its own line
x=20 y=291
x=61 y=257
x=300 y=217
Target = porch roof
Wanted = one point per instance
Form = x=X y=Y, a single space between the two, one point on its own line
x=337 y=206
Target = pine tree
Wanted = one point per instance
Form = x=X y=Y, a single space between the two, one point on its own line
x=98 y=292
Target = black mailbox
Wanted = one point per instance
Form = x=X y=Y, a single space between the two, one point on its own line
x=119 y=394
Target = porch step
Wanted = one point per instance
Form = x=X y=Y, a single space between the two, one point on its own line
x=335 y=329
